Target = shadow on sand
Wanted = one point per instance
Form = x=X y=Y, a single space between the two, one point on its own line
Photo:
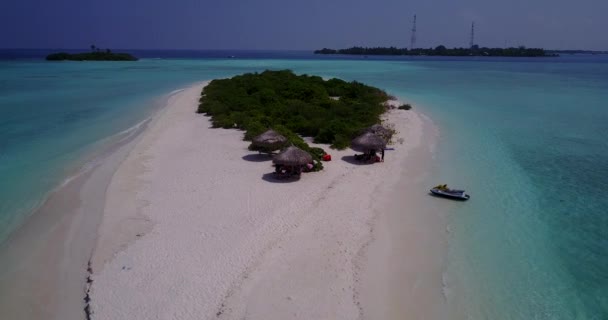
x=352 y=160
x=258 y=157
x=271 y=177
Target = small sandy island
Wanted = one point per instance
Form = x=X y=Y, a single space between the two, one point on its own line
x=195 y=227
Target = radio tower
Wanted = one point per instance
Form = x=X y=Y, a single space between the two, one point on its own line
x=472 y=43
x=413 y=39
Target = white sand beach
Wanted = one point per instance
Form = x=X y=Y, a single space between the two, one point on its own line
x=195 y=227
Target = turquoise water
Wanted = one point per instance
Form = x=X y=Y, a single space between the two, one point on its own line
x=526 y=138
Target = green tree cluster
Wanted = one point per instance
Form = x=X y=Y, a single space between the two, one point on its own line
x=331 y=111
x=96 y=54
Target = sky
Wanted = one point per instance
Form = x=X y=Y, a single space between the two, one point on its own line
x=301 y=25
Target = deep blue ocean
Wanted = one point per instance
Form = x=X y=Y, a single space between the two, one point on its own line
x=526 y=137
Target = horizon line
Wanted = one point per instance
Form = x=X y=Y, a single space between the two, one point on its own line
x=286 y=50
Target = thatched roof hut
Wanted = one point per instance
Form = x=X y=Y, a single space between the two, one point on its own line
x=292 y=156
x=380 y=131
x=367 y=142
x=270 y=140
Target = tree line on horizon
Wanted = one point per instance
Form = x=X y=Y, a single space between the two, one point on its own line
x=96 y=54
x=441 y=50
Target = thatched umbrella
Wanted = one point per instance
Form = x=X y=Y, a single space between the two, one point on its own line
x=292 y=156
x=367 y=142
x=380 y=131
x=270 y=140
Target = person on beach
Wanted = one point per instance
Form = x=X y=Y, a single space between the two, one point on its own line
x=382 y=159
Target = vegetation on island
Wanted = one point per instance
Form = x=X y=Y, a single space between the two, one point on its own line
x=405 y=106
x=96 y=54
x=330 y=111
x=442 y=51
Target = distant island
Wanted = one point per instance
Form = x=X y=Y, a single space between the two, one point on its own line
x=592 y=52
x=442 y=51
x=96 y=54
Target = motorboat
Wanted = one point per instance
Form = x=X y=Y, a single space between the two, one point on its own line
x=444 y=191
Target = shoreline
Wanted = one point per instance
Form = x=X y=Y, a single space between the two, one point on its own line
x=50 y=251
x=410 y=240
x=173 y=242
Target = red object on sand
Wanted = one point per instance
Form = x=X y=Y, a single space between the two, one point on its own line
x=327 y=157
